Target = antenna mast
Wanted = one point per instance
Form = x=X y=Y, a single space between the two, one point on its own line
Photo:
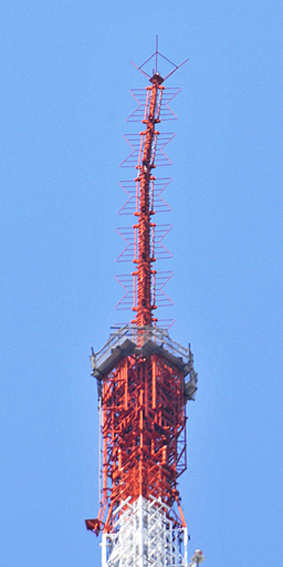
x=144 y=378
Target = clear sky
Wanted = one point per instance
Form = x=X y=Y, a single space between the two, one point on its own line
x=65 y=75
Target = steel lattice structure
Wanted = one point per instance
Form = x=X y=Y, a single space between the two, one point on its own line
x=144 y=378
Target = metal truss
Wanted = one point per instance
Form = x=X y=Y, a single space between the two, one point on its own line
x=143 y=387
x=144 y=536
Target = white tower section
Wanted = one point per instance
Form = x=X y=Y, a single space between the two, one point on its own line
x=143 y=536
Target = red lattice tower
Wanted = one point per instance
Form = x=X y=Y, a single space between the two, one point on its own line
x=144 y=378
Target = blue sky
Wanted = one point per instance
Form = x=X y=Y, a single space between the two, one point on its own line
x=65 y=76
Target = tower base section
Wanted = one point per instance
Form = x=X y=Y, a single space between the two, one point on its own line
x=144 y=535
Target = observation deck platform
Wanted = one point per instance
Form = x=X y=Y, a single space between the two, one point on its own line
x=143 y=342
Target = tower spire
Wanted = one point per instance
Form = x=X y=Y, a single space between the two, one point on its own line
x=144 y=378
x=148 y=150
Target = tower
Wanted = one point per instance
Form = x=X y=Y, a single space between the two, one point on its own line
x=144 y=378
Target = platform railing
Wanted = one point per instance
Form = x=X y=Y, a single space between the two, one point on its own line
x=139 y=336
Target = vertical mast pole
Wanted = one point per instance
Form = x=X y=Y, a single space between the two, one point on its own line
x=144 y=300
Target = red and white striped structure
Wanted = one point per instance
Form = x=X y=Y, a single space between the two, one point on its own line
x=144 y=378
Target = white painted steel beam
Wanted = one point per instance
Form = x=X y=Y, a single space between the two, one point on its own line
x=143 y=536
